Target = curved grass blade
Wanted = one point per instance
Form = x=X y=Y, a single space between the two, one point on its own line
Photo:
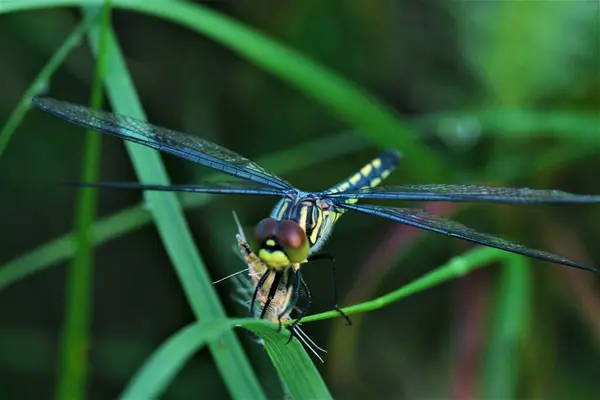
x=291 y=361
x=159 y=370
x=475 y=258
x=174 y=232
x=373 y=119
x=40 y=80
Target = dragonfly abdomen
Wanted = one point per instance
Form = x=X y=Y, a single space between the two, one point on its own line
x=371 y=174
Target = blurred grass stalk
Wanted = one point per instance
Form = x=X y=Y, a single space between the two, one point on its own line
x=502 y=357
x=76 y=339
x=42 y=78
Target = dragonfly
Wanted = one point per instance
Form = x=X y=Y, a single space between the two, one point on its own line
x=301 y=221
x=279 y=303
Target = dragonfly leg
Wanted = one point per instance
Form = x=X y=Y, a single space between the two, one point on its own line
x=336 y=305
x=272 y=291
x=259 y=286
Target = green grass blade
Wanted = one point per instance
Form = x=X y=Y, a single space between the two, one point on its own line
x=78 y=303
x=169 y=358
x=361 y=110
x=522 y=124
x=60 y=249
x=501 y=364
x=291 y=361
x=15 y=118
x=175 y=234
x=293 y=364
x=458 y=266
x=373 y=119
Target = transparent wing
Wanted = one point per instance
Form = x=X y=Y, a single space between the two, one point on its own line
x=474 y=193
x=177 y=143
x=210 y=188
x=431 y=222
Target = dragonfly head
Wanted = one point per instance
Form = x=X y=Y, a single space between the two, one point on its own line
x=281 y=242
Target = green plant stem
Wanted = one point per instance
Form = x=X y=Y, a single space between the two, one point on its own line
x=458 y=266
x=59 y=56
x=519 y=124
x=78 y=302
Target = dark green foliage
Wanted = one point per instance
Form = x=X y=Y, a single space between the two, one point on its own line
x=502 y=93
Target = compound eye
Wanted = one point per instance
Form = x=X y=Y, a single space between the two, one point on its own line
x=264 y=230
x=293 y=239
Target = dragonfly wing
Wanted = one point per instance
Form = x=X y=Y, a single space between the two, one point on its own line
x=431 y=222
x=210 y=188
x=179 y=144
x=464 y=193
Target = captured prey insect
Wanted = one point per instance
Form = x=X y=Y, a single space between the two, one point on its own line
x=301 y=221
x=278 y=310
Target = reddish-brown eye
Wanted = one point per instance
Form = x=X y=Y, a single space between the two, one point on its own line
x=292 y=238
x=290 y=234
x=264 y=230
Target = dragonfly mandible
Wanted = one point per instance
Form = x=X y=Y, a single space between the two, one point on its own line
x=301 y=222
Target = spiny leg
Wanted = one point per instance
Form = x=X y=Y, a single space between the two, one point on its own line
x=259 y=286
x=336 y=306
x=272 y=291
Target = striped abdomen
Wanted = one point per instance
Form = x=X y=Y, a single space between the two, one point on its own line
x=371 y=174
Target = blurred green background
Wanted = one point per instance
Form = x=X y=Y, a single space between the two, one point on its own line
x=501 y=93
